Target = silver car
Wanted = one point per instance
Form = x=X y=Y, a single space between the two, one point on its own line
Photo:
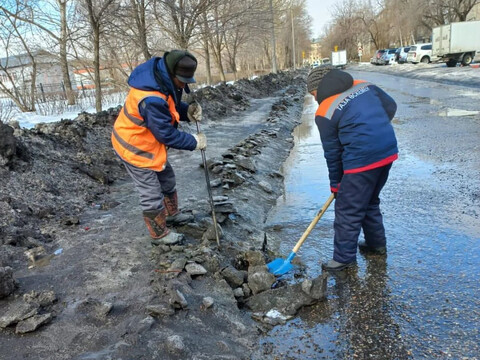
x=401 y=54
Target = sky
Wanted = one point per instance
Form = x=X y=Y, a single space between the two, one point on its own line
x=320 y=10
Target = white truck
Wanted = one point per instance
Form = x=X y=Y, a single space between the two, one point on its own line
x=457 y=42
x=339 y=58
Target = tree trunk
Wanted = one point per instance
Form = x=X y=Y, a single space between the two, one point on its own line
x=96 y=68
x=207 y=63
x=138 y=8
x=218 y=57
x=33 y=84
x=206 y=48
x=63 y=53
x=143 y=38
x=273 y=41
x=234 y=68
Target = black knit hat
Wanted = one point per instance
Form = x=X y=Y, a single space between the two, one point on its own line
x=182 y=65
x=316 y=75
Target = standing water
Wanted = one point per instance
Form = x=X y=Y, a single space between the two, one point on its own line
x=419 y=301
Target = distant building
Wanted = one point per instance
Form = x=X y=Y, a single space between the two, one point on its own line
x=18 y=69
x=109 y=75
x=315 y=51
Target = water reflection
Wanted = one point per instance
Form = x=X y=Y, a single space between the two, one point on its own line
x=368 y=327
x=356 y=321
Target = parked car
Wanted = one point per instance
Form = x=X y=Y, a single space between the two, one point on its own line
x=388 y=57
x=376 y=58
x=401 y=54
x=420 y=53
x=325 y=61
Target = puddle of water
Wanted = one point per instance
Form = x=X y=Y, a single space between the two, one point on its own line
x=306 y=190
x=457 y=112
x=472 y=94
x=420 y=301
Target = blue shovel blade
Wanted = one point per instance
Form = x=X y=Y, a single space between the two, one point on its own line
x=280 y=266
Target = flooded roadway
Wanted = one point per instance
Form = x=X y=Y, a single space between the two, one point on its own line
x=422 y=300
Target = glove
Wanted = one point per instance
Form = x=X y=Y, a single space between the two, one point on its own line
x=334 y=194
x=201 y=141
x=194 y=112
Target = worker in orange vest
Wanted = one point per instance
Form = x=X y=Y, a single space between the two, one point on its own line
x=147 y=126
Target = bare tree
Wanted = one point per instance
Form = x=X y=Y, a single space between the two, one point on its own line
x=273 y=40
x=51 y=19
x=138 y=10
x=216 y=28
x=14 y=77
x=206 y=48
x=181 y=19
x=439 y=12
x=373 y=24
x=98 y=12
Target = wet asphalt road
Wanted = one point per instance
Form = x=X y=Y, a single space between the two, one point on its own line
x=422 y=300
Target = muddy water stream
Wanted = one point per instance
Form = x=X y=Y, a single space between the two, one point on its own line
x=420 y=301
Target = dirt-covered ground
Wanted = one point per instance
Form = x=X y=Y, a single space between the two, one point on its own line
x=79 y=278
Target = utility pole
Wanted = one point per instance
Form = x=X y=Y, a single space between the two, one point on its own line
x=274 y=46
x=293 y=40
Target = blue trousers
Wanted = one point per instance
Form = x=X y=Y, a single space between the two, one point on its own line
x=357 y=207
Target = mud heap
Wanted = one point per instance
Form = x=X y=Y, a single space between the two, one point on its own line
x=190 y=295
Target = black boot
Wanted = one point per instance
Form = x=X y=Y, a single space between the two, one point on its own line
x=333 y=265
x=365 y=248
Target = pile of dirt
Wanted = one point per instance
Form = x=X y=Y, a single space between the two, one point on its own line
x=52 y=172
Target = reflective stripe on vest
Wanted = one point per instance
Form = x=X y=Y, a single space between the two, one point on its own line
x=132 y=140
x=330 y=104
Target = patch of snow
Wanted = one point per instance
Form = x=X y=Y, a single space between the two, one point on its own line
x=463 y=75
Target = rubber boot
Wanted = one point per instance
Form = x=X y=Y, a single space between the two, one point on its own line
x=365 y=248
x=156 y=221
x=174 y=216
x=333 y=265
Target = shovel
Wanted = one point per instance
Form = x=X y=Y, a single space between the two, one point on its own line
x=209 y=190
x=280 y=266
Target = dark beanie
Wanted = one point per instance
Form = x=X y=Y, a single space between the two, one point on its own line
x=181 y=64
x=316 y=75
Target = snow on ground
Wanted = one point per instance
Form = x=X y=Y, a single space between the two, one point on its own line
x=30 y=119
x=55 y=110
x=465 y=75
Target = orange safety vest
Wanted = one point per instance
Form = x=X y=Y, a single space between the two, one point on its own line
x=132 y=140
x=327 y=107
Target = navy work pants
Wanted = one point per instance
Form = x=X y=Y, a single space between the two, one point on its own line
x=357 y=207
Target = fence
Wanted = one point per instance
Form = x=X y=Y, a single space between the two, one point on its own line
x=50 y=99
x=45 y=92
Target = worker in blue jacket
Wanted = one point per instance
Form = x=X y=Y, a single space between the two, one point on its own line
x=147 y=126
x=359 y=143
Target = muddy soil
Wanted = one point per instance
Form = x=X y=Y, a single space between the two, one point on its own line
x=79 y=278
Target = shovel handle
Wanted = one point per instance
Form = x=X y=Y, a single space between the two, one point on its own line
x=314 y=222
